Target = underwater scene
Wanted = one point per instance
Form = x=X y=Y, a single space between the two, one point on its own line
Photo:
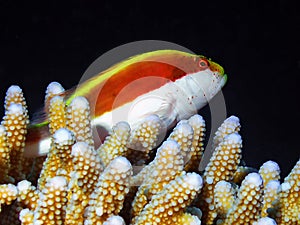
x=147 y=169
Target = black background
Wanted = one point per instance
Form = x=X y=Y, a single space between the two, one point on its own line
x=257 y=42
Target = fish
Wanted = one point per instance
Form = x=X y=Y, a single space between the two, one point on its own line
x=171 y=84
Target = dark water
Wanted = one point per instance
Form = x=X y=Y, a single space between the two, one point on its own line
x=256 y=42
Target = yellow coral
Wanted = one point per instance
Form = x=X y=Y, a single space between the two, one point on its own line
x=28 y=195
x=167 y=164
x=87 y=168
x=4 y=157
x=183 y=134
x=222 y=166
x=197 y=148
x=290 y=198
x=57 y=114
x=224 y=197
x=79 y=120
x=8 y=193
x=115 y=144
x=269 y=171
x=109 y=194
x=144 y=138
x=15 y=122
x=171 y=201
x=52 y=202
x=63 y=140
x=271 y=197
x=229 y=126
x=26 y=217
x=86 y=193
x=14 y=95
x=53 y=89
x=248 y=205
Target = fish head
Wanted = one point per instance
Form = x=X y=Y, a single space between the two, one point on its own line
x=210 y=78
x=199 y=86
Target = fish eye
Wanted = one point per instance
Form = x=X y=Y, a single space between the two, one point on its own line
x=203 y=63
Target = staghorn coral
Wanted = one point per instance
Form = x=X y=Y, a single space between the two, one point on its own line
x=52 y=202
x=167 y=165
x=183 y=134
x=222 y=166
x=198 y=124
x=59 y=160
x=144 y=138
x=109 y=194
x=115 y=144
x=271 y=197
x=87 y=168
x=247 y=207
x=28 y=195
x=81 y=185
x=269 y=171
x=171 y=201
x=289 y=205
x=57 y=114
x=224 y=197
x=229 y=126
x=15 y=122
x=53 y=89
x=79 y=120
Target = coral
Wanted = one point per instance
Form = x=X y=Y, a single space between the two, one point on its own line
x=247 y=207
x=222 y=166
x=115 y=144
x=79 y=120
x=136 y=176
x=52 y=202
x=109 y=194
x=168 y=205
x=289 y=209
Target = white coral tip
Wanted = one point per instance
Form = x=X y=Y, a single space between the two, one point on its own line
x=15 y=108
x=194 y=180
x=121 y=164
x=271 y=166
x=184 y=128
x=79 y=103
x=254 y=178
x=123 y=126
x=233 y=119
x=62 y=135
x=12 y=188
x=169 y=144
x=57 y=182
x=114 y=220
x=13 y=89
x=273 y=185
x=79 y=148
x=196 y=119
x=23 y=185
x=23 y=213
x=265 y=221
x=234 y=137
x=55 y=88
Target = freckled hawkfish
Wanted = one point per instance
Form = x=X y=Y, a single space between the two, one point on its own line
x=171 y=84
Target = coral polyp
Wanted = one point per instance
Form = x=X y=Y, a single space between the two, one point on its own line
x=133 y=178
